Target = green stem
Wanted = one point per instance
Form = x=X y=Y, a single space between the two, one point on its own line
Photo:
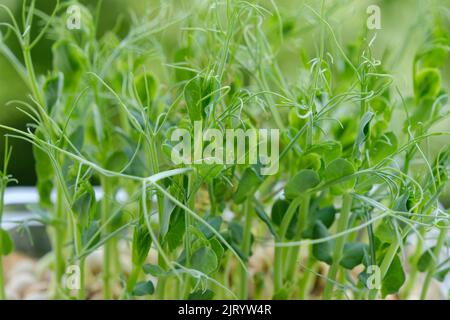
x=339 y=247
x=227 y=278
x=161 y=286
x=82 y=291
x=212 y=199
x=81 y=263
x=305 y=282
x=187 y=243
x=432 y=267
x=278 y=264
x=58 y=241
x=340 y=293
x=413 y=268
x=134 y=276
x=32 y=76
x=107 y=246
x=293 y=252
x=243 y=292
x=152 y=155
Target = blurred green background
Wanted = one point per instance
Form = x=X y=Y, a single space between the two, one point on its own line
x=405 y=27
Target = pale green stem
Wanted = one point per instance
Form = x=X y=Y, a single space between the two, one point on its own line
x=191 y=205
x=278 y=264
x=293 y=252
x=152 y=155
x=134 y=276
x=107 y=246
x=32 y=76
x=413 y=268
x=339 y=247
x=243 y=292
x=432 y=267
x=58 y=241
x=81 y=263
x=305 y=282
x=82 y=290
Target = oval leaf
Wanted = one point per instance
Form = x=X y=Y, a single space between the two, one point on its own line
x=143 y=288
x=7 y=244
x=302 y=181
x=339 y=169
x=204 y=260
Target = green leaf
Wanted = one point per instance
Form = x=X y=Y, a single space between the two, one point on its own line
x=385 y=232
x=250 y=181
x=310 y=161
x=394 y=278
x=84 y=204
x=141 y=244
x=425 y=260
x=44 y=172
x=301 y=182
x=353 y=255
x=204 y=260
x=279 y=209
x=168 y=209
x=198 y=94
x=236 y=232
x=217 y=247
x=88 y=234
x=176 y=230
x=440 y=275
x=6 y=242
x=294 y=118
x=379 y=105
x=322 y=251
x=435 y=52
x=143 y=288
x=77 y=137
x=146 y=86
x=209 y=172
x=346 y=132
x=339 y=169
x=201 y=295
x=52 y=90
x=427 y=83
x=325 y=215
x=266 y=220
x=214 y=222
x=153 y=270
x=117 y=161
x=383 y=147
x=181 y=56
x=328 y=151
x=70 y=60
x=363 y=133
